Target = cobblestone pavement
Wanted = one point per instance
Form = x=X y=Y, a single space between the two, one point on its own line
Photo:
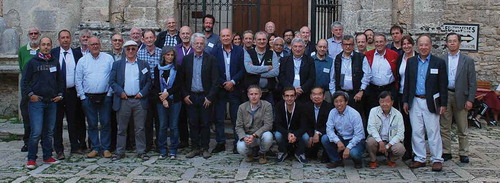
x=228 y=167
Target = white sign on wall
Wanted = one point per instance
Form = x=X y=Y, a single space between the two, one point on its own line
x=468 y=32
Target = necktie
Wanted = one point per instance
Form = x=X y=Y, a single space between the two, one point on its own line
x=63 y=68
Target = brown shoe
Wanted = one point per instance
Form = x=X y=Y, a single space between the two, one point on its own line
x=107 y=154
x=262 y=159
x=391 y=163
x=417 y=164
x=335 y=164
x=193 y=153
x=249 y=159
x=92 y=154
x=437 y=166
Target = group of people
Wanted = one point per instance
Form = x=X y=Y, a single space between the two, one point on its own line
x=382 y=97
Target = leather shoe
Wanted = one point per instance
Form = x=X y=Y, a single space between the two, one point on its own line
x=219 y=148
x=78 y=151
x=417 y=164
x=437 y=166
x=24 y=148
x=464 y=159
x=60 y=156
x=446 y=157
x=335 y=164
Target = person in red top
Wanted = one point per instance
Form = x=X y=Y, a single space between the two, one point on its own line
x=383 y=63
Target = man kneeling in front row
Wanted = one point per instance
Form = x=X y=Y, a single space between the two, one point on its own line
x=344 y=133
x=386 y=131
x=253 y=124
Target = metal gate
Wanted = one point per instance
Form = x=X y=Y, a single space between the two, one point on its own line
x=323 y=14
x=234 y=14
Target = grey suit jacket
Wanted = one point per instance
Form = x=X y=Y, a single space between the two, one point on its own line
x=465 y=80
x=117 y=82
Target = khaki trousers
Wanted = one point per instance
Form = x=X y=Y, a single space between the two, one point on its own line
x=460 y=115
x=395 y=152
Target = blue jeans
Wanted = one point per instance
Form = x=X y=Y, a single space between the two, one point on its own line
x=95 y=113
x=220 y=113
x=198 y=117
x=331 y=149
x=42 y=122
x=169 y=119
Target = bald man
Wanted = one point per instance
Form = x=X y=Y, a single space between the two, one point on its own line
x=270 y=27
x=323 y=64
x=305 y=34
x=169 y=37
x=231 y=70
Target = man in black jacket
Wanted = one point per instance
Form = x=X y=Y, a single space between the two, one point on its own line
x=315 y=114
x=169 y=37
x=425 y=97
x=298 y=70
x=289 y=127
x=42 y=83
x=199 y=74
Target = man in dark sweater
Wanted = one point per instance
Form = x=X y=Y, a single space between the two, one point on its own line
x=43 y=84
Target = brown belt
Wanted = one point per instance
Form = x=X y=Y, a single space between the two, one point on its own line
x=420 y=96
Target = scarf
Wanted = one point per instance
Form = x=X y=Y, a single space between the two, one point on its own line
x=168 y=83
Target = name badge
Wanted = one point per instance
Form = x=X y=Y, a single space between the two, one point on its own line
x=144 y=70
x=211 y=45
x=297 y=77
x=326 y=70
x=32 y=52
x=313 y=53
x=434 y=71
x=53 y=69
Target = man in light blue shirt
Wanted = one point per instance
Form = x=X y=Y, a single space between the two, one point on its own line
x=335 y=42
x=344 y=130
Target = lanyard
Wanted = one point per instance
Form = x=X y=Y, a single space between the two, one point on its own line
x=185 y=52
x=288 y=121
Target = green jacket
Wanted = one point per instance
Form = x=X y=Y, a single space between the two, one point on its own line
x=24 y=56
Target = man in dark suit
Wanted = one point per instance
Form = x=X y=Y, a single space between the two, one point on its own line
x=462 y=88
x=298 y=70
x=130 y=80
x=315 y=115
x=425 y=97
x=70 y=105
x=230 y=62
x=199 y=73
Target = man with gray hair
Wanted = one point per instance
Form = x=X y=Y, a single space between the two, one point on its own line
x=169 y=37
x=199 y=73
x=25 y=54
x=248 y=42
x=84 y=41
x=310 y=47
x=335 y=42
x=298 y=71
x=270 y=27
x=279 y=45
x=136 y=35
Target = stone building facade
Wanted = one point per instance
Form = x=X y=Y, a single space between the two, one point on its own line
x=104 y=17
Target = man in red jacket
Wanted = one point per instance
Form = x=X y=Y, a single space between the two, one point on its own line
x=383 y=68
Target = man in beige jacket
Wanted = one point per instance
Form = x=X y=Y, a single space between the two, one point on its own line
x=253 y=125
x=385 y=131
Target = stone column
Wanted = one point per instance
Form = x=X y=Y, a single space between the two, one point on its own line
x=350 y=16
x=402 y=14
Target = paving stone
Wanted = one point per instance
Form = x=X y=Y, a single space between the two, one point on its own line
x=64 y=169
x=98 y=180
x=485 y=173
x=172 y=173
x=375 y=174
x=115 y=170
x=46 y=179
x=8 y=178
x=324 y=174
x=425 y=173
x=276 y=172
x=215 y=173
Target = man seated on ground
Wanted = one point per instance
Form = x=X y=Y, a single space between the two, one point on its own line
x=253 y=125
x=345 y=133
x=315 y=115
x=386 y=131
x=289 y=127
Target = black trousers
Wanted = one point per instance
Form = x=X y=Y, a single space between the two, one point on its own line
x=152 y=125
x=70 y=107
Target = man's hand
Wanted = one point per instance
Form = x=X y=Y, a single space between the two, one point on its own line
x=310 y=142
x=340 y=146
x=468 y=105
x=138 y=96
x=228 y=85
x=269 y=67
x=187 y=100
x=381 y=147
x=345 y=155
x=291 y=138
x=165 y=103
x=299 y=90
x=207 y=103
x=34 y=98
x=57 y=99
x=405 y=108
x=358 y=96
x=123 y=96
x=315 y=138
x=442 y=110
x=248 y=139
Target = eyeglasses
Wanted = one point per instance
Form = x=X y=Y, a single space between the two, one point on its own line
x=348 y=44
x=33 y=33
x=131 y=49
